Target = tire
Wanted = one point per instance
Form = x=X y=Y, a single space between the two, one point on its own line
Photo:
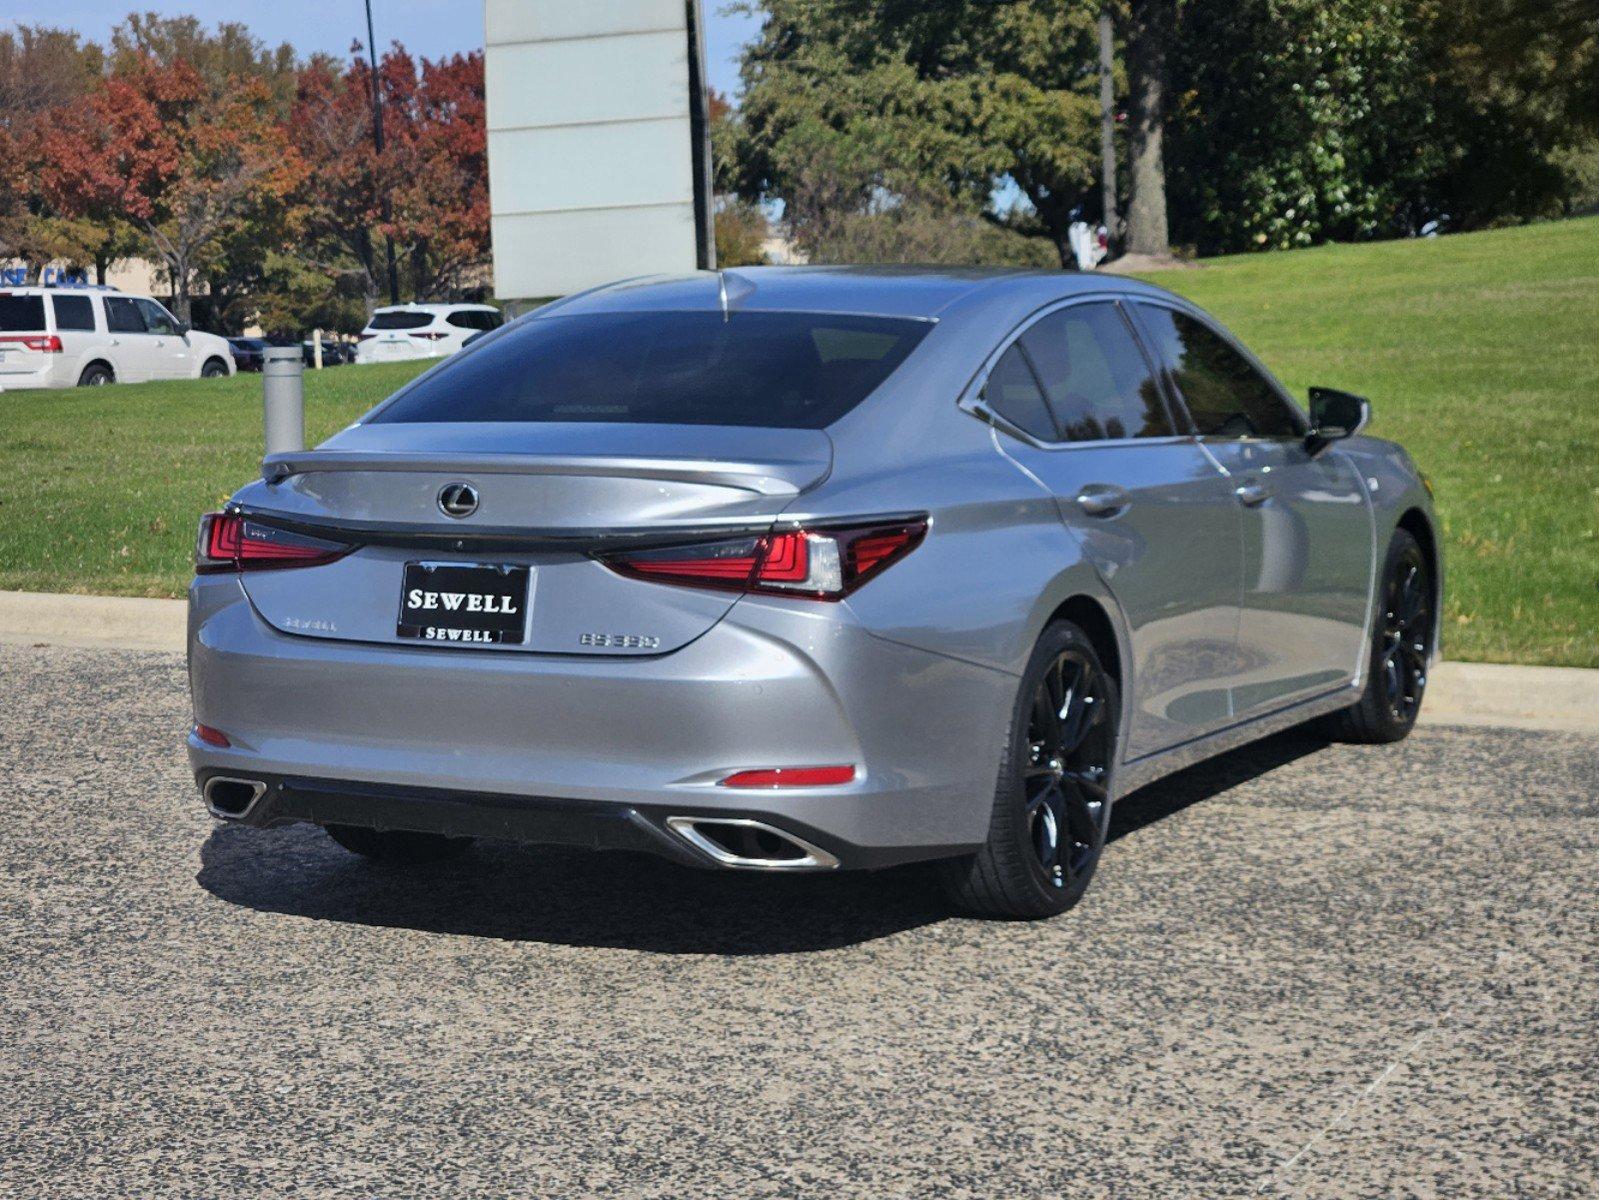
x=398 y=846
x=214 y=368
x=1055 y=781
x=96 y=375
x=1396 y=675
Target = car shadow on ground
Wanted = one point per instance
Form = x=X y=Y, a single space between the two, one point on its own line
x=636 y=901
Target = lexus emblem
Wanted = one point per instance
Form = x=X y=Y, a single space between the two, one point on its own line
x=458 y=500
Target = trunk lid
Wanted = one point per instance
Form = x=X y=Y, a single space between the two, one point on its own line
x=548 y=497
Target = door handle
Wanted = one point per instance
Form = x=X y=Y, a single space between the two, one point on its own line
x=1252 y=493
x=116 y=341
x=1103 y=500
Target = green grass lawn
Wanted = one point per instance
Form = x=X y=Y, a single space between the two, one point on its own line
x=101 y=488
x=1479 y=352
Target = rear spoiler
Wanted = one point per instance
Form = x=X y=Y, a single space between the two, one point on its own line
x=768 y=477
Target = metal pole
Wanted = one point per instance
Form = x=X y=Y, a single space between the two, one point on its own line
x=377 y=143
x=699 y=124
x=283 y=399
x=1107 y=125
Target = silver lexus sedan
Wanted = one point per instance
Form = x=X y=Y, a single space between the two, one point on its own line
x=807 y=569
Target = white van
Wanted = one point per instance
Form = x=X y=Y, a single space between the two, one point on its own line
x=422 y=330
x=86 y=337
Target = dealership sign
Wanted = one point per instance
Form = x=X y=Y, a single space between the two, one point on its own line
x=21 y=276
x=599 y=162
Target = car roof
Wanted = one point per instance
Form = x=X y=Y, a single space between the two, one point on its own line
x=34 y=289
x=903 y=291
x=432 y=308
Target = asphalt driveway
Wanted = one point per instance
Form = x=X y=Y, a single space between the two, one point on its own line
x=1305 y=970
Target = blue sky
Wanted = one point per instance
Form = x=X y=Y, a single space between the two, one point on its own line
x=428 y=28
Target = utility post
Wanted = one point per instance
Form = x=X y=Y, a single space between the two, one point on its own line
x=283 y=399
x=377 y=144
x=1107 y=125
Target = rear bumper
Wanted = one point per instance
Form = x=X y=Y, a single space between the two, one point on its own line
x=540 y=820
x=49 y=376
x=600 y=751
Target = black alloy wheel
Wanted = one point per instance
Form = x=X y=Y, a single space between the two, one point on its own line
x=1402 y=638
x=1053 y=797
x=1406 y=636
x=1064 y=780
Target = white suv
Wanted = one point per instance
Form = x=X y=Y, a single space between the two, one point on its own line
x=67 y=337
x=422 y=330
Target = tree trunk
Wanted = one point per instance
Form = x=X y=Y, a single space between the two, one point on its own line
x=1149 y=37
x=1107 y=126
x=180 y=292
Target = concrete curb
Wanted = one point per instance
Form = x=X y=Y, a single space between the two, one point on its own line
x=110 y=622
x=1564 y=698
x=1557 y=698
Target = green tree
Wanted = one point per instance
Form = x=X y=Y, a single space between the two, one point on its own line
x=850 y=104
x=1303 y=121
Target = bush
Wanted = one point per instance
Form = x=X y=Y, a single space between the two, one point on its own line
x=741 y=229
x=922 y=232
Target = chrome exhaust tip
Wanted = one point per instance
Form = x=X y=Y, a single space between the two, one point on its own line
x=748 y=845
x=231 y=799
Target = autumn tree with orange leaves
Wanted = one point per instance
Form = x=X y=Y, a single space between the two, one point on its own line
x=434 y=169
x=184 y=161
x=250 y=175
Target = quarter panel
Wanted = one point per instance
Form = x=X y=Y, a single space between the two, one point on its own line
x=993 y=564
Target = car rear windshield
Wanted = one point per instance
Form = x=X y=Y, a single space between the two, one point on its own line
x=777 y=370
x=21 y=314
x=400 y=320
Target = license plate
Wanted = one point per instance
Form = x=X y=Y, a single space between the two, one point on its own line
x=465 y=603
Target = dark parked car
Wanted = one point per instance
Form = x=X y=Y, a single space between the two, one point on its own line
x=249 y=354
x=334 y=354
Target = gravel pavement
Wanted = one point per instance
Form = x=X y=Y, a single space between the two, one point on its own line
x=1304 y=970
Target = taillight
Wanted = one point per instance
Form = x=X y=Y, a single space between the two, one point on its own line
x=365 y=337
x=45 y=343
x=821 y=563
x=230 y=542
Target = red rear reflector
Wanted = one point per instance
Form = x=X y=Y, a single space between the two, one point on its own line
x=781 y=777
x=211 y=737
x=821 y=563
x=45 y=343
x=230 y=542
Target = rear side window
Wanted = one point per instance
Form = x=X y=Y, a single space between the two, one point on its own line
x=1226 y=396
x=400 y=320
x=474 y=319
x=74 y=312
x=1095 y=376
x=22 y=314
x=775 y=370
x=122 y=315
x=1012 y=391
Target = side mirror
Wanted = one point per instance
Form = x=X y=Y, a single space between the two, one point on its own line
x=183 y=328
x=1335 y=415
